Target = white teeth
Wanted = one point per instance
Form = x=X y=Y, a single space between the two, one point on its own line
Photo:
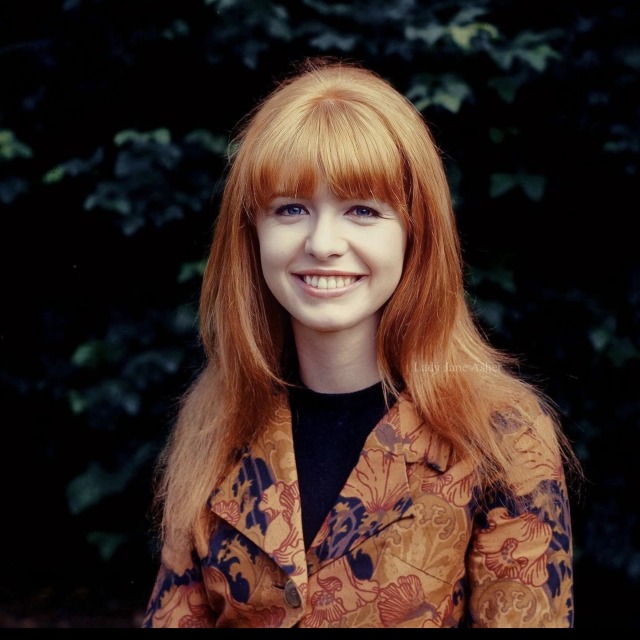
x=329 y=282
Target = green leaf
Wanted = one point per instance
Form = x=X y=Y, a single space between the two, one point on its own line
x=496 y=135
x=95 y=483
x=177 y=29
x=452 y=97
x=600 y=338
x=502 y=57
x=159 y=136
x=186 y=319
x=53 y=175
x=11 y=188
x=630 y=56
x=621 y=350
x=191 y=270
x=463 y=35
x=492 y=313
x=501 y=183
x=106 y=542
x=89 y=488
x=277 y=24
x=74 y=167
x=501 y=276
x=130 y=164
x=507 y=86
x=111 y=394
x=132 y=224
x=539 y=56
x=429 y=34
x=623 y=139
x=108 y=195
x=149 y=367
x=602 y=335
x=12 y=148
x=89 y=354
x=216 y=144
x=96 y=353
x=329 y=9
x=534 y=186
x=468 y=14
x=448 y=91
x=77 y=402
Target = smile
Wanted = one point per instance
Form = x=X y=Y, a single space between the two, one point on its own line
x=329 y=282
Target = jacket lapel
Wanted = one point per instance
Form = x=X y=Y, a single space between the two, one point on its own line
x=377 y=491
x=260 y=496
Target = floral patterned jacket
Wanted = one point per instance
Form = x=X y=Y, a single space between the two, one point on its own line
x=410 y=542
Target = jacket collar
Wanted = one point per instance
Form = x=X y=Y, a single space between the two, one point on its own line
x=261 y=499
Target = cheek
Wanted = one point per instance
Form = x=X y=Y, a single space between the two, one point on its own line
x=276 y=255
x=267 y=245
x=387 y=254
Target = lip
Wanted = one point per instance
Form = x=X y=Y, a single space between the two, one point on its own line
x=327 y=272
x=327 y=293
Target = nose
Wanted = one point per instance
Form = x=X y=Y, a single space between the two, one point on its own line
x=325 y=238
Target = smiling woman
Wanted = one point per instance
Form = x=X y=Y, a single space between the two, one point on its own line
x=342 y=459
x=332 y=264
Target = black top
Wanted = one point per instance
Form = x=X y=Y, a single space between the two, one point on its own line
x=329 y=431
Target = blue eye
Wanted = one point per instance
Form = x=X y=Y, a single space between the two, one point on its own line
x=363 y=212
x=290 y=210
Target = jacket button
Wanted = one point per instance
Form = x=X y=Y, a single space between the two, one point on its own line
x=291 y=595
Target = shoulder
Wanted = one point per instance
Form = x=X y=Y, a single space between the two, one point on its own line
x=530 y=439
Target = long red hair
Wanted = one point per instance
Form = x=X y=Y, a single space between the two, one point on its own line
x=344 y=124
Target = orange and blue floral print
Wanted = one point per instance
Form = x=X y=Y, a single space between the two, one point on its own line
x=410 y=542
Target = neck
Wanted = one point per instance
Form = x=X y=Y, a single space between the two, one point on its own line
x=337 y=361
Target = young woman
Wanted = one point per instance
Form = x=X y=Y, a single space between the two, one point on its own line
x=354 y=453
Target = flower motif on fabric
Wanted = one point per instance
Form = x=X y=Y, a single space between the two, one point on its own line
x=281 y=505
x=536 y=458
x=188 y=608
x=338 y=594
x=228 y=510
x=404 y=600
x=378 y=484
x=520 y=551
x=456 y=488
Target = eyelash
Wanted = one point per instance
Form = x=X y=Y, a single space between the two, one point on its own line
x=282 y=211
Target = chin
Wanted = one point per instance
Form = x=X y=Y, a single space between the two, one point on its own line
x=329 y=325
x=325 y=327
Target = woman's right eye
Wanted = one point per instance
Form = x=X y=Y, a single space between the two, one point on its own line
x=290 y=210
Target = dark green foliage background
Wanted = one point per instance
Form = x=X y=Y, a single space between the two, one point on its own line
x=114 y=122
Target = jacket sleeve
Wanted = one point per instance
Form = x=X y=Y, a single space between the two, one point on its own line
x=179 y=598
x=519 y=568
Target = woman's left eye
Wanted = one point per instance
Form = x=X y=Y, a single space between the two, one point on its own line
x=364 y=212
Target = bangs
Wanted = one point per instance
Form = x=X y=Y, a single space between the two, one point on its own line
x=336 y=141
